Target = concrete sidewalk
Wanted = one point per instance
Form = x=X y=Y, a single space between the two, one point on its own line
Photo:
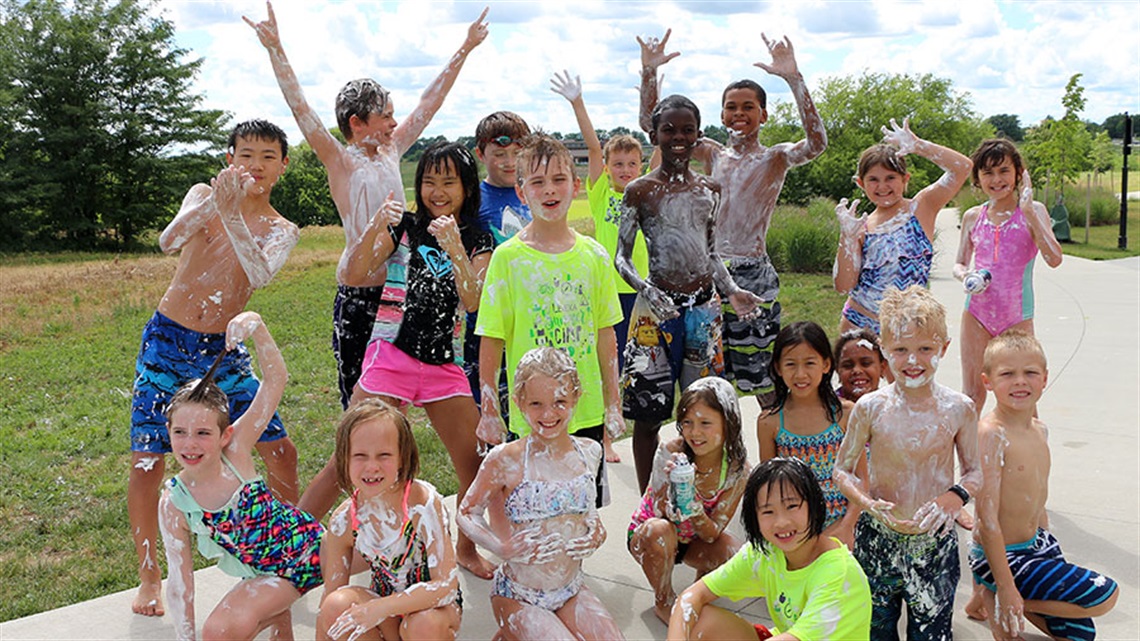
x=1088 y=318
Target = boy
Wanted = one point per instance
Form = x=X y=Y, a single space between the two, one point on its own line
x=549 y=286
x=361 y=177
x=231 y=241
x=751 y=177
x=677 y=314
x=1014 y=557
x=905 y=539
x=610 y=169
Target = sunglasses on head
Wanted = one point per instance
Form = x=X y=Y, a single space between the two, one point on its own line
x=502 y=141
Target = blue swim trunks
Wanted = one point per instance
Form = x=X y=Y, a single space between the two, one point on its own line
x=1041 y=573
x=171 y=356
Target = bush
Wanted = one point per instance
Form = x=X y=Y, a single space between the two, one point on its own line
x=1104 y=207
x=804 y=240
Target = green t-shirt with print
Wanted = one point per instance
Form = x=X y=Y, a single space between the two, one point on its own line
x=605 y=207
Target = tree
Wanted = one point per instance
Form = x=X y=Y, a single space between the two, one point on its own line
x=1114 y=125
x=302 y=195
x=1008 y=125
x=103 y=122
x=854 y=109
x=718 y=133
x=1061 y=149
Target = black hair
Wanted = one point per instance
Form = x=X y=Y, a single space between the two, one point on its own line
x=991 y=153
x=436 y=157
x=856 y=334
x=747 y=84
x=361 y=98
x=258 y=129
x=782 y=473
x=812 y=334
x=674 y=102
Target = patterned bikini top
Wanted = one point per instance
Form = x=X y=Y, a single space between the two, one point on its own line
x=533 y=499
x=403 y=562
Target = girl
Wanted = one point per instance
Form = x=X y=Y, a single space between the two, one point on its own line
x=660 y=536
x=891 y=247
x=808 y=420
x=1003 y=237
x=813 y=586
x=219 y=496
x=541 y=488
x=859 y=363
x=438 y=258
x=395 y=523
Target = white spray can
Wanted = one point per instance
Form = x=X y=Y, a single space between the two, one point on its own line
x=682 y=479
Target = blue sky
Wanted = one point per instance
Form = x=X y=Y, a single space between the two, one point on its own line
x=1011 y=57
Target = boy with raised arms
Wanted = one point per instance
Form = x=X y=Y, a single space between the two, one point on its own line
x=905 y=539
x=751 y=176
x=230 y=242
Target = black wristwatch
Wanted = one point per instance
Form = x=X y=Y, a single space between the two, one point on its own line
x=961 y=492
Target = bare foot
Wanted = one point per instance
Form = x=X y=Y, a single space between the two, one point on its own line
x=470 y=560
x=611 y=455
x=976 y=608
x=148 y=600
x=965 y=519
x=663 y=611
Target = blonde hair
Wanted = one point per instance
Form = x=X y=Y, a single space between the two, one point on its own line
x=547 y=361
x=1011 y=342
x=914 y=307
x=620 y=143
x=366 y=410
x=539 y=148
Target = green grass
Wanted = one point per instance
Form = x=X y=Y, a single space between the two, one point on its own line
x=69 y=332
x=1104 y=239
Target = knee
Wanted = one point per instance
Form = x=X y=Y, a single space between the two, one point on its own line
x=426 y=624
x=228 y=626
x=333 y=605
x=1104 y=607
x=653 y=540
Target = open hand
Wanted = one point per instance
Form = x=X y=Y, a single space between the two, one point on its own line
x=745 y=304
x=491 y=427
x=881 y=510
x=357 y=620
x=267 y=29
x=783 y=58
x=242 y=327
x=659 y=303
x=570 y=89
x=1008 y=619
x=653 y=51
x=530 y=546
x=850 y=222
x=901 y=137
x=477 y=32
x=937 y=517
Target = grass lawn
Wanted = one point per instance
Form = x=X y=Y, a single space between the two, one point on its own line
x=69 y=334
x=1104 y=239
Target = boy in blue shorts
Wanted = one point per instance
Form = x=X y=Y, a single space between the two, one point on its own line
x=231 y=242
x=1014 y=558
x=675 y=325
x=549 y=286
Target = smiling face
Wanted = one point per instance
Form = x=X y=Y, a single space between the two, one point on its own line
x=261 y=158
x=196 y=437
x=702 y=427
x=442 y=190
x=374 y=457
x=500 y=162
x=802 y=369
x=913 y=354
x=548 y=188
x=547 y=404
x=860 y=367
x=623 y=166
x=378 y=129
x=741 y=112
x=676 y=133
x=883 y=186
x=999 y=182
x=783 y=517
x=1017 y=378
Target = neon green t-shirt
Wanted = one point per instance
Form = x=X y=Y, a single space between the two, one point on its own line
x=828 y=599
x=605 y=207
x=533 y=299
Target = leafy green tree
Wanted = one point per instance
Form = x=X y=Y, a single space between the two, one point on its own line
x=101 y=120
x=1114 y=125
x=854 y=109
x=1061 y=149
x=718 y=133
x=302 y=195
x=1008 y=125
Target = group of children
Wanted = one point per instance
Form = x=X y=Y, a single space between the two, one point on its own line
x=483 y=299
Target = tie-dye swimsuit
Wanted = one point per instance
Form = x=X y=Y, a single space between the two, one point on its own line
x=819 y=451
x=1007 y=251
x=254 y=534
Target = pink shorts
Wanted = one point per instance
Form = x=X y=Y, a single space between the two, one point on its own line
x=388 y=371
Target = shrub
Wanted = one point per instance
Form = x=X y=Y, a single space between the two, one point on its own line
x=804 y=240
x=1104 y=207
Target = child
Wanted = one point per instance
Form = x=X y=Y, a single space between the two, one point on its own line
x=675 y=325
x=1003 y=237
x=361 y=176
x=807 y=420
x=398 y=525
x=550 y=286
x=892 y=247
x=661 y=533
x=230 y=242
x=611 y=168
x=751 y=176
x=905 y=539
x=1013 y=551
x=859 y=363
x=542 y=488
x=272 y=546
x=813 y=586
x=437 y=269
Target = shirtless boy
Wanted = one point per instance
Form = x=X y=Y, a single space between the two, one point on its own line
x=1013 y=551
x=361 y=177
x=905 y=539
x=751 y=176
x=232 y=242
x=675 y=323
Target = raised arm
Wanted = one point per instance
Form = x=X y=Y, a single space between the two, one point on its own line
x=409 y=131
x=1040 y=225
x=249 y=427
x=1009 y=618
x=849 y=253
x=197 y=209
x=652 y=56
x=328 y=149
x=367 y=254
x=177 y=543
x=784 y=65
x=571 y=89
x=934 y=197
x=259 y=262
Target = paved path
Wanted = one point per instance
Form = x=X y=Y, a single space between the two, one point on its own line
x=1088 y=317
